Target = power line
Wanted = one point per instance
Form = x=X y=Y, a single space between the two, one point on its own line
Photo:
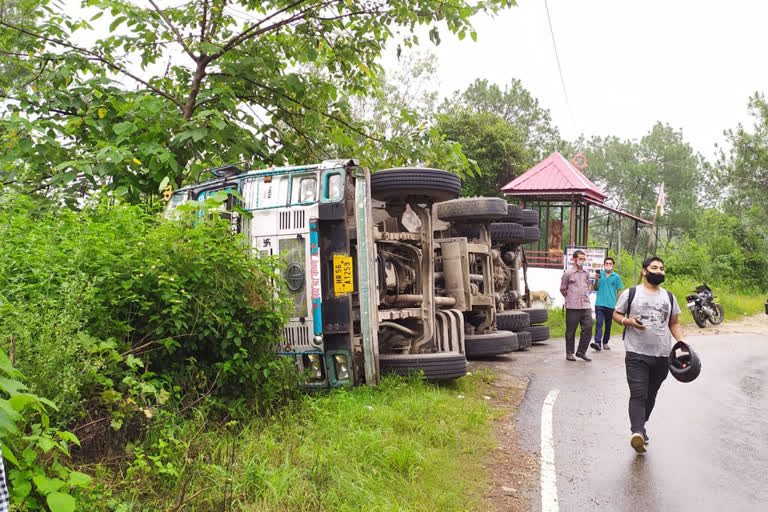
x=559 y=67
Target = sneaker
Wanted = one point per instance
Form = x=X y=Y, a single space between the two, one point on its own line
x=638 y=442
x=606 y=347
x=595 y=346
x=583 y=356
x=570 y=357
x=647 y=439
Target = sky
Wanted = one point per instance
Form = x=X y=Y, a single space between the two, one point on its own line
x=626 y=64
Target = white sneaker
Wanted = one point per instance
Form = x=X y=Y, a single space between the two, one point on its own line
x=638 y=442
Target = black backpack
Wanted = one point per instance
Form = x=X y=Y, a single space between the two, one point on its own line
x=632 y=292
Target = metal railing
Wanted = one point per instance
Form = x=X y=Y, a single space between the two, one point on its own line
x=544 y=259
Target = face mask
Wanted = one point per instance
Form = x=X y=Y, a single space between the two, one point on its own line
x=608 y=268
x=655 y=279
x=579 y=263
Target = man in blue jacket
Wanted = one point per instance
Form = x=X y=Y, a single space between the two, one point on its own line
x=608 y=285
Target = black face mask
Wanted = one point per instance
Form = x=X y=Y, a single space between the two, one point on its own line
x=655 y=279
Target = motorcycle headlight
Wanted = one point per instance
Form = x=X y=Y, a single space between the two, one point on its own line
x=313 y=363
x=341 y=366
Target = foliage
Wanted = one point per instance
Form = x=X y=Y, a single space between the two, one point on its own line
x=34 y=449
x=168 y=91
x=405 y=445
x=631 y=172
x=115 y=311
x=742 y=172
x=517 y=107
x=494 y=145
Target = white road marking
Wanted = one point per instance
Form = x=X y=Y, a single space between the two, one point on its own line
x=549 y=501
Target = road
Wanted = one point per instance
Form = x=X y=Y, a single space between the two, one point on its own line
x=708 y=439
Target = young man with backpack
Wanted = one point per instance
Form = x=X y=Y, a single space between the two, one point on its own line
x=650 y=323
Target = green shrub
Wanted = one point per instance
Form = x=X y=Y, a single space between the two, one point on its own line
x=113 y=309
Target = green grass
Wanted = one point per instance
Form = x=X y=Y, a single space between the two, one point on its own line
x=405 y=445
x=737 y=305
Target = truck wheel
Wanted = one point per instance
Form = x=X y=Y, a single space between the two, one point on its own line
x=524 y=339
x=539 y=333
x=402 y=183
x=514 y=214
x=472 y=209
x=493 y=344
x=505 y=231
x=538 y=315
x=530 y=234
x=440 y=366
x=529 y=217
x=512 y=320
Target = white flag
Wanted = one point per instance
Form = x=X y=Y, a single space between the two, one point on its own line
x=660 y=202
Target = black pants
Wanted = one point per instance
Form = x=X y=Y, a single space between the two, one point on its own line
x=574 y=318
x=644 y=376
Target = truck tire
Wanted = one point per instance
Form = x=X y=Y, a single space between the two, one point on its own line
x=512 y=320
x=529 y=217
x=530 y=234
x=488 y=345
x=538 y=315
x=524 y=340
x=440 y=366
x=514 y=214
x=539 y=333
x=505 y=231
x=401 y=183
x=472 y=209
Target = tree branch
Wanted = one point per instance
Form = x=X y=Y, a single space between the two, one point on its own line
x=100 y=58
x=173 y=28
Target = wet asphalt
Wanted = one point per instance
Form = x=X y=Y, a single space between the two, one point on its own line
x=708 y=446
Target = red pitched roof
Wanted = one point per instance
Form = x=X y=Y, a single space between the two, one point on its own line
x=551 y=177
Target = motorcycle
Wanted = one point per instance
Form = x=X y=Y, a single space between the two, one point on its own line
x=703 y=307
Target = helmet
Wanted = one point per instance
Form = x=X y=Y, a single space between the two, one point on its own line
x=685 y=367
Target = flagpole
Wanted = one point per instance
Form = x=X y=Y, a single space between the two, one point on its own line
x=654 y=228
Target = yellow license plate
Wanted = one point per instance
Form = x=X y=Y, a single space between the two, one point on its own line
x=343 y=282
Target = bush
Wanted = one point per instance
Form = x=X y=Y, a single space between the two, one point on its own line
x=116 y=309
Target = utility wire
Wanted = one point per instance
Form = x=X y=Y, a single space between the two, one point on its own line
x=559 y=67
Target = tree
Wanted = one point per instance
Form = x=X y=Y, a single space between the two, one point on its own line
x=496 y=147
x=742 y=171
x=516 y=106
x=172 y=90
x=631 y=172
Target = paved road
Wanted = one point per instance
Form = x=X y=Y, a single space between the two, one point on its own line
x=709 y=438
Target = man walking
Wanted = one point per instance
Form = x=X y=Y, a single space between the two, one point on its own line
x=608 y=285
x=651 y=322
x=574 y=286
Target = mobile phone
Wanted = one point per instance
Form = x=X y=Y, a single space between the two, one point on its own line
x=638 y=321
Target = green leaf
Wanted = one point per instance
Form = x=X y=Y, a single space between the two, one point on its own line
x=47 y=485
x=124 y=128
x=60 y=502
x=79 y=479
x=11 y=386
x=164 y=183
x=20 y=488
x=116 y=22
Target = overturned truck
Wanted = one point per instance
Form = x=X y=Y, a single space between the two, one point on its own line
x=388 y=272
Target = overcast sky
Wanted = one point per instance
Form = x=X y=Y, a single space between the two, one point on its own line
x=626 y=64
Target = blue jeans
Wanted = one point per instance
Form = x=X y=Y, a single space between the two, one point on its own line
x=603 y=313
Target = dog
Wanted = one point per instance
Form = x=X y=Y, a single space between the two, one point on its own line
x=542 y=297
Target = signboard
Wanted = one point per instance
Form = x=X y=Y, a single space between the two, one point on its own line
x=595 y=259
x=343 y=282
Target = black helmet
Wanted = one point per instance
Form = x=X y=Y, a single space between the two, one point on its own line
x=685 y=367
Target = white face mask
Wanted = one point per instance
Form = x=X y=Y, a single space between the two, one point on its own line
x=608 y=268
x=580 y=263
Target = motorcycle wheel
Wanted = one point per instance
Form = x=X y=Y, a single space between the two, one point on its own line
x=699 y=318
x=719 y=314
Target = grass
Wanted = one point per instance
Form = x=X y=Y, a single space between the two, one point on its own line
x=736 y=305
x=405 y=445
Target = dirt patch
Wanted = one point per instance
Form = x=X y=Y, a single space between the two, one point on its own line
x=514 y=471
x=757 y=324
